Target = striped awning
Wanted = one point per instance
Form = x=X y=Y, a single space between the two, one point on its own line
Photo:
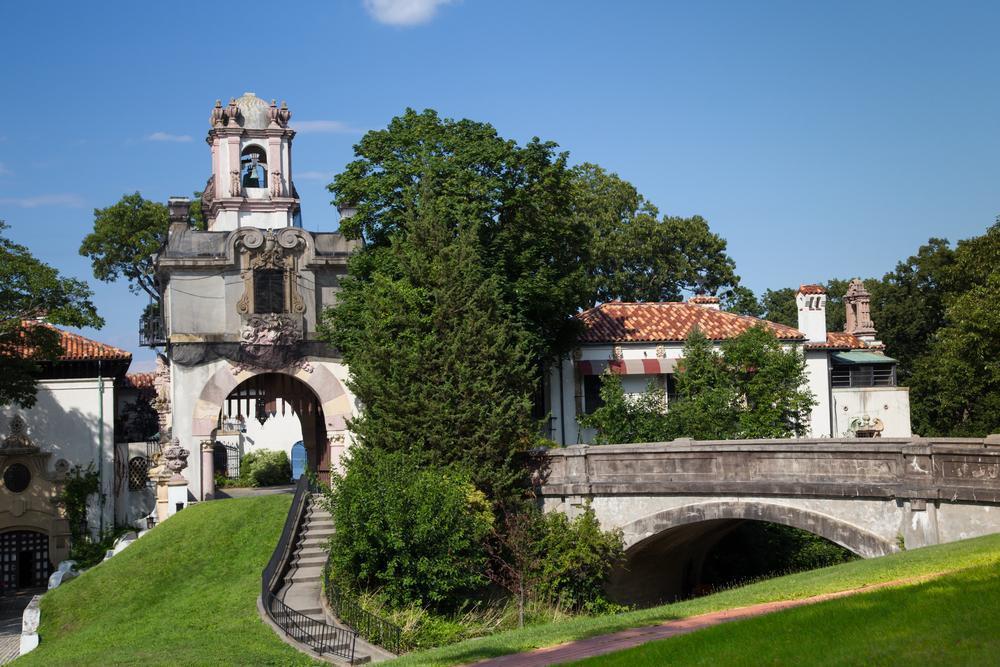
x=627 y=366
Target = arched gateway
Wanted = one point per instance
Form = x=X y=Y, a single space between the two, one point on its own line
x=242 y=299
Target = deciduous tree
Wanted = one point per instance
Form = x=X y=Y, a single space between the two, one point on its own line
x=31 y=290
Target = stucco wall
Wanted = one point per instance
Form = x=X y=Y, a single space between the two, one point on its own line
x=890 y=404
x=66 y=421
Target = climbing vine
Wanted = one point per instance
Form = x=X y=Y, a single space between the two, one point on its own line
x=81 y=483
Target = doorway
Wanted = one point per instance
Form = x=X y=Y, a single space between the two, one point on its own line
x=24 y=560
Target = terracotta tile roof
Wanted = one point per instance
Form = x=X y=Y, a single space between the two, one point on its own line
x=838 y=340
x=617 y=322
x=812 y=289
x=78 y=348
x=140 y=380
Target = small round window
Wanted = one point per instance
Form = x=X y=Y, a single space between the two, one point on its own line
x=16 y=477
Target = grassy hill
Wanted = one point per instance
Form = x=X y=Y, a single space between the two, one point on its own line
x=951 y=620
x=979 y=558
x=184 y=594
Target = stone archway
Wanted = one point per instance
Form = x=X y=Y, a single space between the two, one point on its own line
x=858 y=540
x=665 y=551
x=333 y=400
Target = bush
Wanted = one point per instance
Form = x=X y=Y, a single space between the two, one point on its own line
x=415 y=534
x=578 y=556
x=265 y=468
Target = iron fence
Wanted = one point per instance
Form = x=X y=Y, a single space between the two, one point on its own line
x=317 y=635
x=348 y=609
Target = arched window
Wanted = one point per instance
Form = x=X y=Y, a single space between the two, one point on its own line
x=253 y=167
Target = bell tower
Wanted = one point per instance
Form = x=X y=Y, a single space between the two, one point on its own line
x=251 y=183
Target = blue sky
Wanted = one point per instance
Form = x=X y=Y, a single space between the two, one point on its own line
x=821 y=140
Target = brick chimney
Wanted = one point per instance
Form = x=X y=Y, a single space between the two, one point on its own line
x=811 y=303
x=705 y=301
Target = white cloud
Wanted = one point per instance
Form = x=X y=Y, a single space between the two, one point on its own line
x=403 y=12
x=4 y=171
x=166 y=136
x=323 y=127
x=62 y=199
x=325 y=176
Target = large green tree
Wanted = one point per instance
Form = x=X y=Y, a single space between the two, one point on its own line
x=126 y=236
x=635 y=255
x=463 y=174
x=31 y=290
x=442 y=368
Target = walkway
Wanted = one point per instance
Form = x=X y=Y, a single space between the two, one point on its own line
x=619 y=641
x=11 y=609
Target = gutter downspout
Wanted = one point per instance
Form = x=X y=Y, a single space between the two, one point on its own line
x=562 y=405
x=100 y=442
x=829 y=391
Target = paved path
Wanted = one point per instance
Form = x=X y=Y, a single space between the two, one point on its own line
x=618 y=641
x=11 y=609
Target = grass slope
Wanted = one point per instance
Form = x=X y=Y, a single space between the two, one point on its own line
x=184 y=594
x=981 y=553
x=951 y=620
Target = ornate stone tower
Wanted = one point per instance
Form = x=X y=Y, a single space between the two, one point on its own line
x=251 y=182
x=241 y=302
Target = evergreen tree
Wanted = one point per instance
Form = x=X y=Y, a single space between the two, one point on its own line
x=443 y=371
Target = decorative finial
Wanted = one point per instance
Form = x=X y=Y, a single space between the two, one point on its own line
x=218 y=114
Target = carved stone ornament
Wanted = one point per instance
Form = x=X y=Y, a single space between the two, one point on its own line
x=176 y=457
x=279 y=117
x=275 y=179
x=18 y=436
x=269 y=341
x=270 y=249
x=232 y=112
x=661 y=352
x=616 y=353
x=161 y=402
x=234 y=183
x=218 y=115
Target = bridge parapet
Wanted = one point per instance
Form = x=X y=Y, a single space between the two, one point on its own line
x=916 y=469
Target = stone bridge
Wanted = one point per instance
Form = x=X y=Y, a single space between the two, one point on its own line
x=674 y=501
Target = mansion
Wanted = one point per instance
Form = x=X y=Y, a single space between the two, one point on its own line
x=852 y=380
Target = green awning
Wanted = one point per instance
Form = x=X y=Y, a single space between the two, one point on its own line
x=855 y=357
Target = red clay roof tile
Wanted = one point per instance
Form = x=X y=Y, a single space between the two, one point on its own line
x=617 y=322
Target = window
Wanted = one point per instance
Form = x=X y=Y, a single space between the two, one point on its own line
x=138 y=473
x=269 y=291
x=591 y=393
x=863 y=375
x=671 y=388
x=16 y=477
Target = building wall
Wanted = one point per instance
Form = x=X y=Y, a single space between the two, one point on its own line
x=67 y=421
x=564 y=427
x=890 y=404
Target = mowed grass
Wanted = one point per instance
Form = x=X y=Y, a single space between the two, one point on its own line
x=982 y=555
x=951 y=620
x=184 y=594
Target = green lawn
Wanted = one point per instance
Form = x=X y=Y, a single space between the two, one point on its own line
x=981 y=554
x=951 y=620
x=185 y=594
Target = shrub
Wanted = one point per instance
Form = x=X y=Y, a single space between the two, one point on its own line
x=413 y=533
x=265 y=468
x=578 y=556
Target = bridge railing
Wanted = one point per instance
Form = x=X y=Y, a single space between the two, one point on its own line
x=956 y=469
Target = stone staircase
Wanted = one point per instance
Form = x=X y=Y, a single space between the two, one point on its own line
x=303 y=587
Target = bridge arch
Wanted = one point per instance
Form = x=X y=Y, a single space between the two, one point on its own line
x=666 y=551
x=864 y=543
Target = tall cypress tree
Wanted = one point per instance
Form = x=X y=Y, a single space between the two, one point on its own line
x=443 y=371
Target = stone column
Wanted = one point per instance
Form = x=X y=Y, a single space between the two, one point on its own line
x=207 y=470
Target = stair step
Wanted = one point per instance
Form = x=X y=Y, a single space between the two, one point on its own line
x=304 y=561
x=313 y=541
x=318 y=532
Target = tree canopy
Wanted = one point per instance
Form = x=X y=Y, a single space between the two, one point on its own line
x=126 y=236
x=31 y=290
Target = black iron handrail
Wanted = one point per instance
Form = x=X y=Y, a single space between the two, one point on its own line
x=348 y=609
x=317 y=635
